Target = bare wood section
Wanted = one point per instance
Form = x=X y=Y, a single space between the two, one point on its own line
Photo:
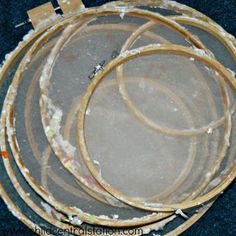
x=41 y=13
x=70 y=6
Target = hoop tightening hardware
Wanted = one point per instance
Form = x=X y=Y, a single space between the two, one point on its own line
x=46 y=13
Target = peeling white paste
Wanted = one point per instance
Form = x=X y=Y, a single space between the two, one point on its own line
x=47 y=208
x=215 y=182
x=180 y=212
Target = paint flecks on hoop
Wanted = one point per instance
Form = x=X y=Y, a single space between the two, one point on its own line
x=4 y=154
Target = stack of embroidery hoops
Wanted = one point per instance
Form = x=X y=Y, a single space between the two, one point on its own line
x=118 y=119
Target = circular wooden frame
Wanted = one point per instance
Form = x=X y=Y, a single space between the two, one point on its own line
x=27 y=122
x=43 y=101
x=204 y=130
x=32 y=142
x=15 y=182
x=142 y=117
x=83 y=216
x=128 y=55
x=5 y=68
x=61 y=225
x=183 y=175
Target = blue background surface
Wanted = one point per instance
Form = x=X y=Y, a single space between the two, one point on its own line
x=221 y=219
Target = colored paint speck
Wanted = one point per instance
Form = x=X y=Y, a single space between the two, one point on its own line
x=50 y=133
x=4 y=154
x=69 y=159
x=92 y=218
x=64 y=219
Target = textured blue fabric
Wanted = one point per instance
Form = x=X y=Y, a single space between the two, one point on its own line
x=221 y=219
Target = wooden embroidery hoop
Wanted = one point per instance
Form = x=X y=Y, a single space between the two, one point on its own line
x=45 y=119
x=148 y=50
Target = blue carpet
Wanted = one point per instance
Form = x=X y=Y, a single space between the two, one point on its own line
x=221 y=219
